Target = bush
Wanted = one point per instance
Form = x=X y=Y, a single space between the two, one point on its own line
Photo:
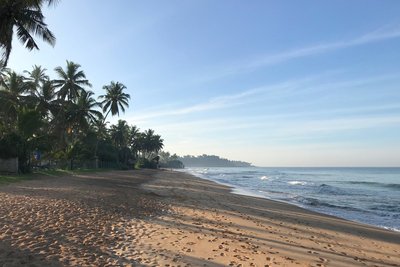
x=9 y=145
x=173 y=164
x=143 y=163
x=123 y=166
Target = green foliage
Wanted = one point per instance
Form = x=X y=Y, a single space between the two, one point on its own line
x=211 y=161
x=62 y=120
x=107 y=152
x=29 y=122
x=143 y=163
x=9 y=145
x=170 y=161
x=173 y=164
x=114 y=99
x=26 y=17
x=71 y=81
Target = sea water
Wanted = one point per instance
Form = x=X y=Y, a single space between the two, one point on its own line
x=366 y=195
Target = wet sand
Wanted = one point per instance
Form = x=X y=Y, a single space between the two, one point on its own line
x=165 y=218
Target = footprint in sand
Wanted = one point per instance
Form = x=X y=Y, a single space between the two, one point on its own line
x=323 y=259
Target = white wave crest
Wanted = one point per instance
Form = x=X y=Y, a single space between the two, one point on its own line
x=297 y=183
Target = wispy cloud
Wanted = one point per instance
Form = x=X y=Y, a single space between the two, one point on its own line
x=225 y=101
x=271 y=131
x=375 y=36
x=259 y=61
x=290 y=88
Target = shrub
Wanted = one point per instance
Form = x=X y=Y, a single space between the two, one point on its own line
x=143 y=163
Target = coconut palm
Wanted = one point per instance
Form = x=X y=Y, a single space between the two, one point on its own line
x=35 y=80
x=120 y=134
x=24 y=16
x=100 y=127
x=11 y=93
x=47 y=92
x=151 y=143
x=120 y=137
x=72 y=81
x=114 y=99
x=3 y=72
x=83 y=112
x=134 y=138
x=157 y=143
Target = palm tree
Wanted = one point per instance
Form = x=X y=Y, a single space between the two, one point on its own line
x=157 y=143
x=71 y=82
x=100 y=127
x=26 y=16
x=11 y=93
x=71 y=122
x=3 y=72
x=46 y=96
x=134 y=140
x=120 y=134
x=151 y=143
x=120 y=137
x=35 y=80
x=114 y=99
x=83 y=112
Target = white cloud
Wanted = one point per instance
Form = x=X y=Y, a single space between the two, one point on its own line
x=291 y=88
x=259 y=61
x=375 y=36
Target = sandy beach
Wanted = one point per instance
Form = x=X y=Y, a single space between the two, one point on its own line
x=166 y=218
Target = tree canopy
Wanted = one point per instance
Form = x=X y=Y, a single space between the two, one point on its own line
x=25 y=19
x=63 y=120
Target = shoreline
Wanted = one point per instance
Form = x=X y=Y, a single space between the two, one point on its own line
x=231 y=189
x=337 y=241
x=236 y=189
x=166 y=218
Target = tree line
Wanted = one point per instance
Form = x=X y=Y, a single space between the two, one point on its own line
x=60 y=120
x=168 y=160
x=211 y=161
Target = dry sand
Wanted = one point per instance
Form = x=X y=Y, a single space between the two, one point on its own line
x=165 y=218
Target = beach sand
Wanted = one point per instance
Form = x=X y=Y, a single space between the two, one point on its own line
x=166 y=218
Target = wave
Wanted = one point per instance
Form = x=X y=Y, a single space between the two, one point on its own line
x=375 y=184
x=318 y=203
x=250 y=172
x=297 y=183
x=386 y=207
x=330 y=190
x=352 y=199
x=390 y=228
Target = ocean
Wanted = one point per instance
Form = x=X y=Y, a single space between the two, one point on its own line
x=366 y=195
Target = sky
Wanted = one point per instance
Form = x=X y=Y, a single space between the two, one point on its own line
x=274 y=83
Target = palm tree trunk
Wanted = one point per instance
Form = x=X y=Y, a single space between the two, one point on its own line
x=95 y=150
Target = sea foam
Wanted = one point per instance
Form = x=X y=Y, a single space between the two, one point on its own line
x=297 y=183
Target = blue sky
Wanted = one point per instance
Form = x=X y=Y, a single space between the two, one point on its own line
x=275 y=83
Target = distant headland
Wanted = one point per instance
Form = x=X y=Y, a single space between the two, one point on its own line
x=211 y=161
